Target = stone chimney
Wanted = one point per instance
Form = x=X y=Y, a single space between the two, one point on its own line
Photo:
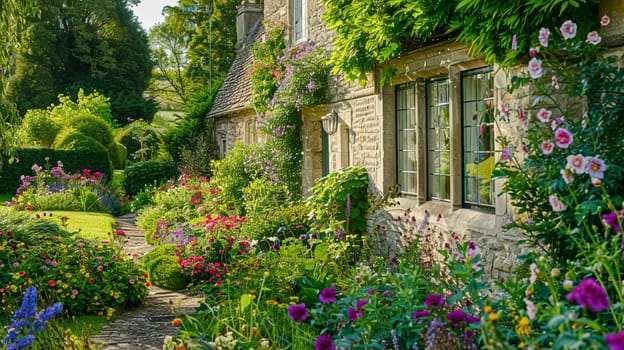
x=249 y=13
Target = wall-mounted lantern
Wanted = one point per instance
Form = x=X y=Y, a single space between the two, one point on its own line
x=330 y=122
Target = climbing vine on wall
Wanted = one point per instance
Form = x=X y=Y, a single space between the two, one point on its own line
x=285 y=80
x=369 y=32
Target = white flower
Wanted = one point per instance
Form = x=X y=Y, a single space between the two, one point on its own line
x=544 y=33
x=535 y=68
x=594 y=38
x=568 y=29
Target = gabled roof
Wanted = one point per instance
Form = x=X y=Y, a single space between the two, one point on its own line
x=235 y=92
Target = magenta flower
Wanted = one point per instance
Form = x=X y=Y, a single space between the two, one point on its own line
x=615 y=341
x=357 y=312
x=595 y=167
x=298 y=312
x=324 y=342
x=419 y=314
x=590 y=294
x=506 y=154
x=563 y=138
x=434 y=300
x=611 y=219
x=568 y=30
x=544 y=33
x=605 y=20
x=328 y=295
x=535 y=68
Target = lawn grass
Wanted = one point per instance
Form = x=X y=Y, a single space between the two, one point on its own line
x=88 y=225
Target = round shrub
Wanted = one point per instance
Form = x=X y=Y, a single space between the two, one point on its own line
x=74 y=140
x=141 y=140
x=93 y=127
x=163 y=269
x=40 y=128
x=139 y=175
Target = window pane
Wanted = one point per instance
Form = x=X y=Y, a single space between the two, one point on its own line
x=406 y=137
x=478 y=136
x=438 y=139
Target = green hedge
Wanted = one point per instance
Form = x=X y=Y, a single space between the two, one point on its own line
x=72 y=161
x=139 y=175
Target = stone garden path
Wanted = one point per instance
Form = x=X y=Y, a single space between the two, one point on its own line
x=145 y=326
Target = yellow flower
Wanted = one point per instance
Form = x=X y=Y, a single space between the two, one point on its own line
x=521 y=345
x=68 y=275
x=523 y=327
x=283 y=306
x=266 y=274
x=271 y=302
x=492 y=316
x=487 y=309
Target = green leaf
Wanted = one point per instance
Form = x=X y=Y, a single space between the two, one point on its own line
x=245 y=301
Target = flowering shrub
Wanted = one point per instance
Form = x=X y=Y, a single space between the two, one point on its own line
x=411 y=308
x=283 y=82
x=565 y=182
x=53 y=189
x=88 y=278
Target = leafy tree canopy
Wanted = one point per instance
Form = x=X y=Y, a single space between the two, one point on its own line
x=91 y=44
x=369 y=32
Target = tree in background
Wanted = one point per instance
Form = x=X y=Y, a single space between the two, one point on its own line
x=90 y=44
x=193 y=47
x=193 y=50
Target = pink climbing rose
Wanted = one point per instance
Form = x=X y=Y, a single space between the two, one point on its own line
x=547 y=147
x=563 y=138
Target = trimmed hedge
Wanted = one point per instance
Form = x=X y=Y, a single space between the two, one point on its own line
x=139 y=175
x=72 y=161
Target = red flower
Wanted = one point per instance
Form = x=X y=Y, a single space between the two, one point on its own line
x=91 y=281
x=51 y=283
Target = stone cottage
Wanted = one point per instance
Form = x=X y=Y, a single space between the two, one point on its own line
x=416 y=133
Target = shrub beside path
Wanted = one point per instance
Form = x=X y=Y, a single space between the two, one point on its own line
x=144 y=326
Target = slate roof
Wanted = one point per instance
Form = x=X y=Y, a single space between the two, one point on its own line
x=235 y=92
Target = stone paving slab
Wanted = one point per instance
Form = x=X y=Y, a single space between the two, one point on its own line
x=144 y=326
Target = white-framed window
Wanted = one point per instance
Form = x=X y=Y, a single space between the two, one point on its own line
x=407 y=164
x=478 y=137
x=299 y=19
x=438 y=140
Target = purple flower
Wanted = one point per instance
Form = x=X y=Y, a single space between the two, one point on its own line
x=419 y=314
x=328 y=295
x=591 y=294
x=434 y=300
x=298 y=312
x=356 y=313
x=514 y=43
x=611 y=219
x=615 y=341
x=324 y=342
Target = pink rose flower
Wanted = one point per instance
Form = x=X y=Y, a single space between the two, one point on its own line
x=605 y=20
x=547 y=147
x=544 y=115
x=567 y=175
x=568 y=30
x=563 y=138
x=576 y=163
